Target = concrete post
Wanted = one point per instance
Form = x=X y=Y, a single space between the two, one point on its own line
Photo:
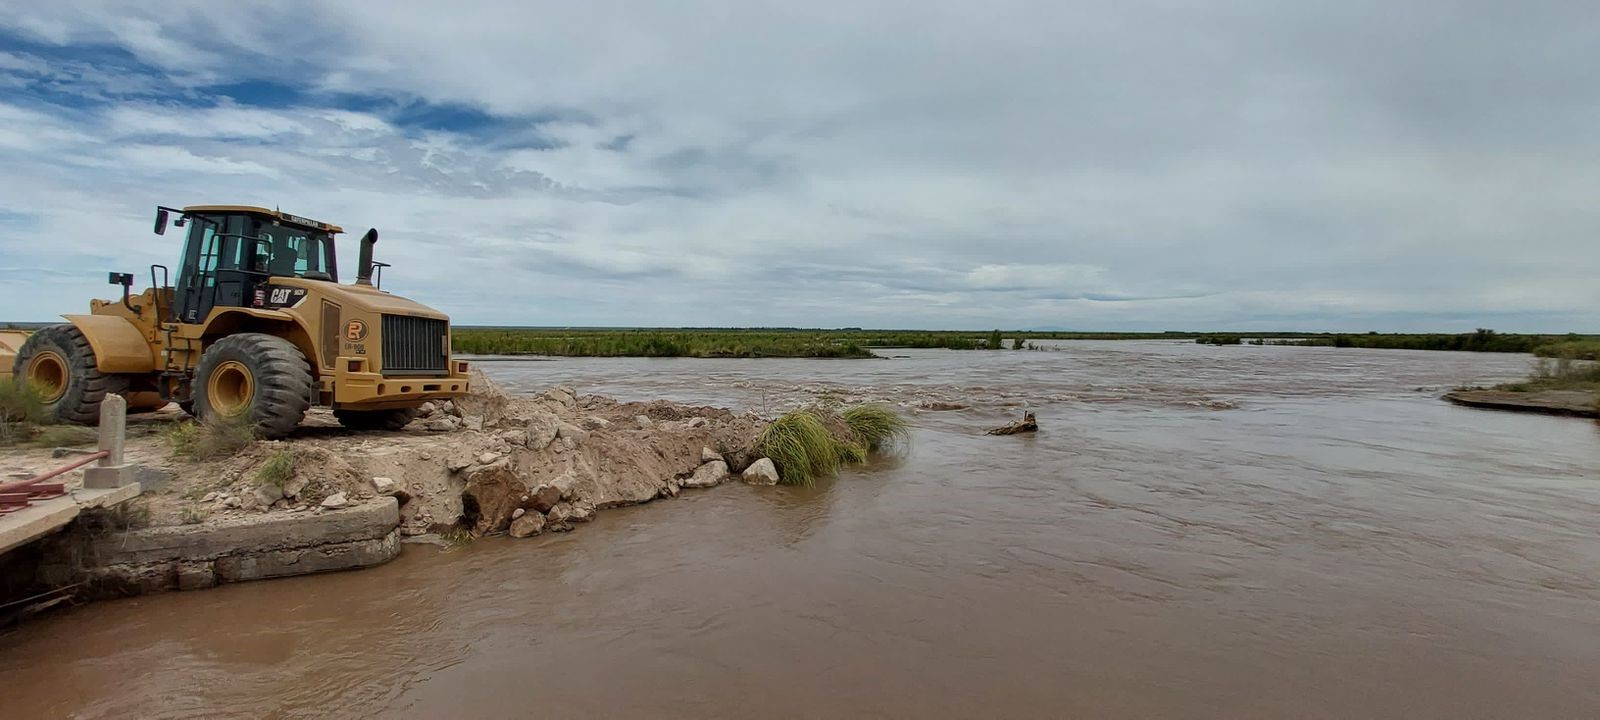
x=111 y=471
x=113 y=428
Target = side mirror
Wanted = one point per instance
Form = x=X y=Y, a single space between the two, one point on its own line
x=161 y=221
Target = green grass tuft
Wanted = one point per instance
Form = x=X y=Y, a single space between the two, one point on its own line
x=801 y=447
x=277 y=469
x=210 y=439
x=876 y=427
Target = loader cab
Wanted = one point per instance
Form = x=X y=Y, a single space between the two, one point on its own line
x=232 y=253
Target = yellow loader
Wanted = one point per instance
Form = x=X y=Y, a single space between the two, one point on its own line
x=256 y=327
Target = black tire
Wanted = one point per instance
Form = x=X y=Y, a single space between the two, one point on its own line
x=275 y=371
x=64 y=363
x=376 y=419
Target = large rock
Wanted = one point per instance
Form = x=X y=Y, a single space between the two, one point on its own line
x=384 y=486
x=557 y=519
x=268 y=494
x=708 y=475
x=572 y=432
x=561 y=395
x=335 y=501
x=492 y=493
x=740 y=459
x=761 y=472
x=528 y=525
x=709 y=455
x=545 y=498
x=541 y=431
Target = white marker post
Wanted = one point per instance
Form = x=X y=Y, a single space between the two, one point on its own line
x=111 y=471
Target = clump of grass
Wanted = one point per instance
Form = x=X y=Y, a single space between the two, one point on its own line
x=801 y=447
x=277 y=469
x=851 y=452
x=876 y=427
x=210 y=439
x=21 y=409
x=193 y=514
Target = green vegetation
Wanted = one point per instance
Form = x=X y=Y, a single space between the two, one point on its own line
x=807 y=444
x=1570 y=349
x=20 y=411
x=277 y=469
x=876 y=427
x=1481 y=340
x=859 y=343
x=210 y=439
x=801 y=447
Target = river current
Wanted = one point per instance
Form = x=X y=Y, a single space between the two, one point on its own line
x=1195 y=532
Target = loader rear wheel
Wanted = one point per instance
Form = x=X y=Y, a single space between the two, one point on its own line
x=376 y=419
x=60 y=363
x=254 y=375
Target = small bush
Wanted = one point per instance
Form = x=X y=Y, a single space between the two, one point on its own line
x=277 y=469
x=210 y=439
x=876 y=427
x=800 y=446
x=65 y=436
x=20 y=410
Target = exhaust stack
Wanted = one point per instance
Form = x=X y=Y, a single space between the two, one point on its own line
x=364 y=267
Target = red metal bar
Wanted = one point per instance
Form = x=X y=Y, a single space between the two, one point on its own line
x=41 y=477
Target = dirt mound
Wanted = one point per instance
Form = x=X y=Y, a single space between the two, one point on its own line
x=475 y=464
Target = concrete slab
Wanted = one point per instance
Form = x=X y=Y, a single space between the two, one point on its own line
x=35 y=521
x=44 y=517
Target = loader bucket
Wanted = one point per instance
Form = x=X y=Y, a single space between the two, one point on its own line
x=10 y=342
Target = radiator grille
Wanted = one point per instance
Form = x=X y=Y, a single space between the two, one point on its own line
x=414 y=346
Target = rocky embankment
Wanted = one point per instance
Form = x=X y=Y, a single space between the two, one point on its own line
x=487 y=464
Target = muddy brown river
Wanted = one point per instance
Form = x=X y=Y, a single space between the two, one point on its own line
x=1197 y=532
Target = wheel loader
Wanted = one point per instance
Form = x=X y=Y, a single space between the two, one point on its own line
x=256 y=328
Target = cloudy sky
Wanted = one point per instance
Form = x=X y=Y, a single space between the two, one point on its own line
x=1344 y=165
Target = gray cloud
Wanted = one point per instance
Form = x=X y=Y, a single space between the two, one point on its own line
x=1318 y=165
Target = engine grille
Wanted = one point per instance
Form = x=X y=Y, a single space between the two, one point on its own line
x=414 y=346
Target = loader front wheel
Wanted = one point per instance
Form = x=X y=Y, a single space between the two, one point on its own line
x=264 y=378
x=376 y=419
x=59 y=362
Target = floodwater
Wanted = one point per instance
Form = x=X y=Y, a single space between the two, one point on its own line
x=1196 y=532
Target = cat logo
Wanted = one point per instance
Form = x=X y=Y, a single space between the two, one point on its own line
x=355 y=331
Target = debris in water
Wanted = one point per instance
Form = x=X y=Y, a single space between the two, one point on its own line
x=1025 y=425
